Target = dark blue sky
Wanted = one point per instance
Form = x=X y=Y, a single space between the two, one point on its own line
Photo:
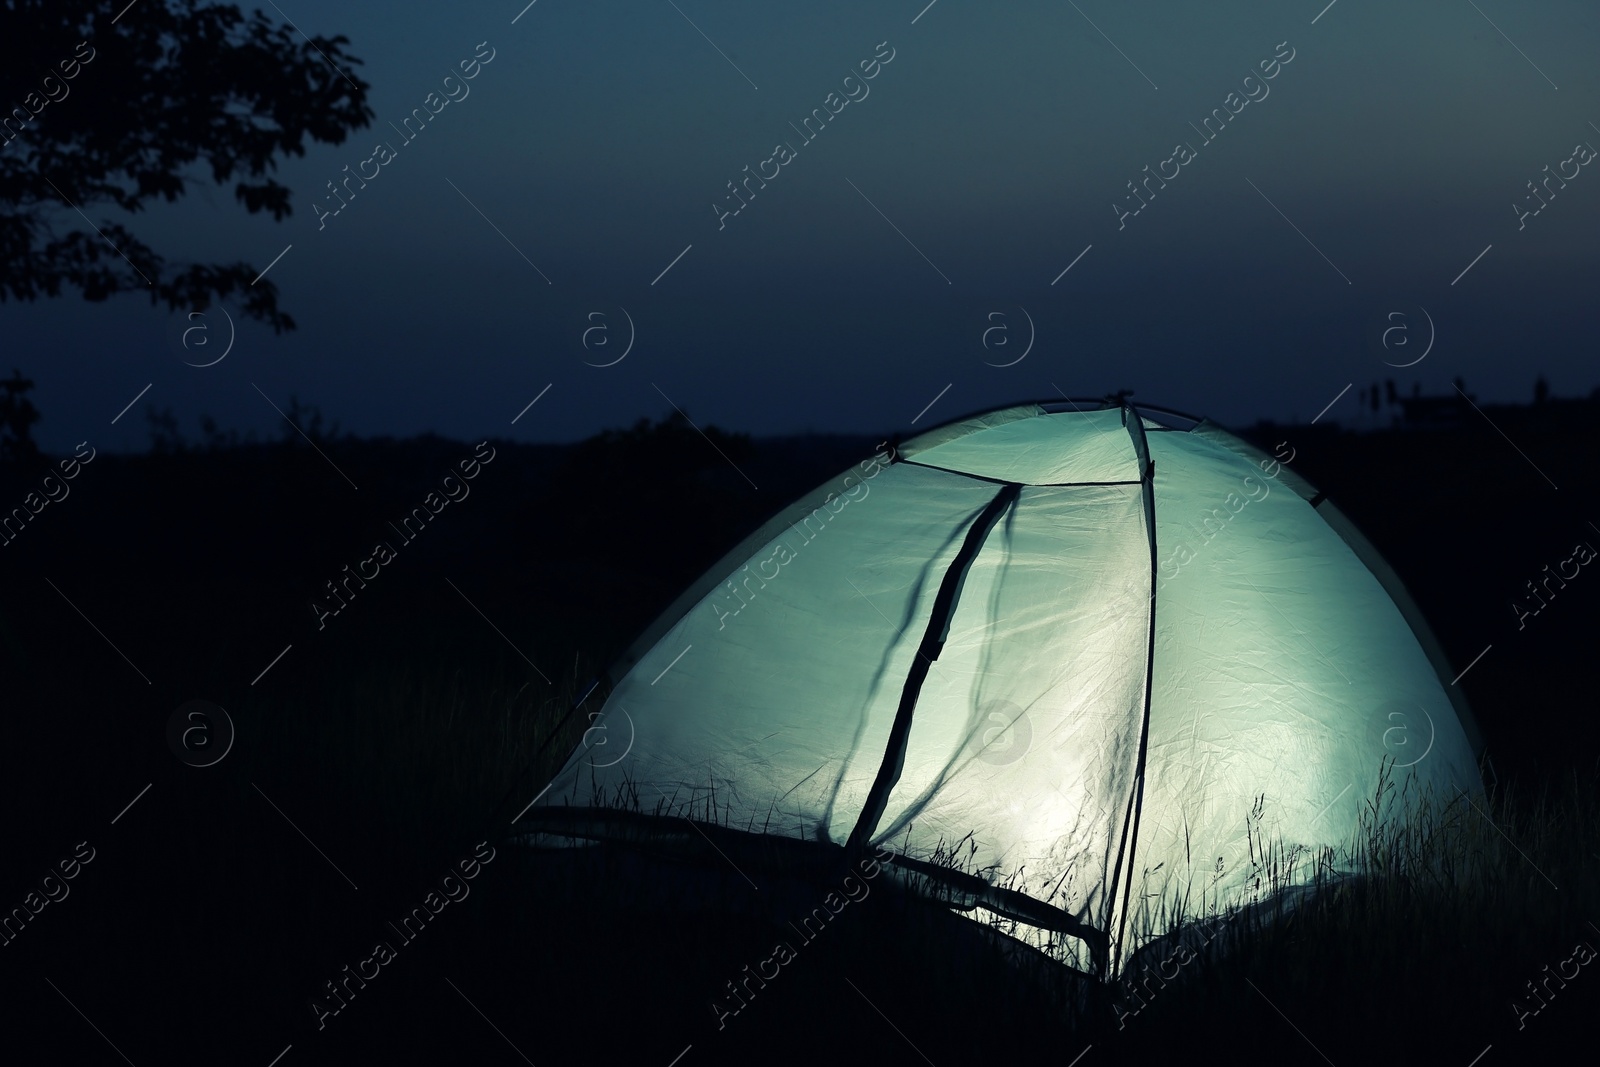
x=985 y=157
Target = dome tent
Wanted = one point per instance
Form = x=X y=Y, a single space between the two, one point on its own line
x=1089 y=642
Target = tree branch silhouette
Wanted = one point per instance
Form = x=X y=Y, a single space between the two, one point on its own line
x=97 y=114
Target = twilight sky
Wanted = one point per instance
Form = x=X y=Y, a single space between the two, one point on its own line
x=898 y=255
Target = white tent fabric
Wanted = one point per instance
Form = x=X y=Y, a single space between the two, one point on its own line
x=1256 y=651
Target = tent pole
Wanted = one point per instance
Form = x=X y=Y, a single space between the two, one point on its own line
x=944 y=608
x=1147 y=473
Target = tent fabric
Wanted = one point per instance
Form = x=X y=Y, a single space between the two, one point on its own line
x=1032 y=452
x=1134 y=584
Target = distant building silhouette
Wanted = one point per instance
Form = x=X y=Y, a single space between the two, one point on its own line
x=1418 y=412
x=1433 y=412
x=1455 y=409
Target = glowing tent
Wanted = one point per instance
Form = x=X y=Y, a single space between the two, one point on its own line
x=1096 y=640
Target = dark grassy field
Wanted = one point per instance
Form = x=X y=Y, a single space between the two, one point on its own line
x=371 y=756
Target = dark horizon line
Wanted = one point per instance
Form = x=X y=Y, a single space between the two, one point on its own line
x=1396 y=410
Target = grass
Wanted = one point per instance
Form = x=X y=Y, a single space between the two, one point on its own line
x=1421 y=934
x=389 y=740
x=420 y=756
x=1428 y=923
x=1422 y=930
